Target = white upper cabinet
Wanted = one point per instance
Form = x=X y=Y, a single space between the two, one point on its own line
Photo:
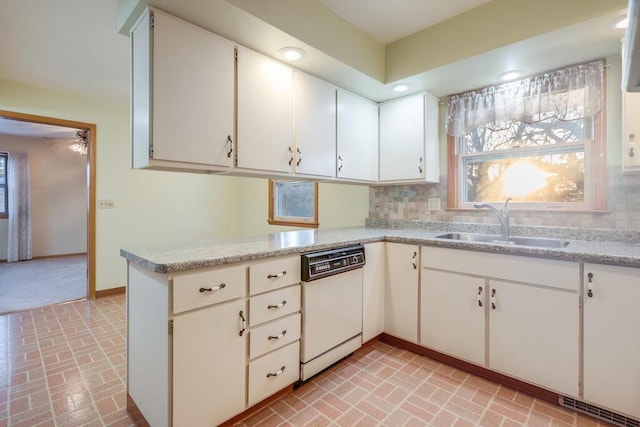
x=315 y=126
x=409 y=139
x=357 y=140
x=630 y=132
x=265 y=113
x=182 y=95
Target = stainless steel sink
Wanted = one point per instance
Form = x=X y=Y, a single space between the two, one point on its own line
x=497 y=239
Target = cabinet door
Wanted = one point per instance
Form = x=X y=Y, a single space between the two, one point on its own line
x=612 y=338
x=630 y=131
x=452 y=314
x=402 y=124
x=209 y=365
x=401 y=292
x=534 y=335
x=265 y=113
x=373 y=291
x=357 y=139
x=315 y=126
x=193 y=93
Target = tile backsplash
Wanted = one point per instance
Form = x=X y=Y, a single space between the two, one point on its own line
x=407 y=204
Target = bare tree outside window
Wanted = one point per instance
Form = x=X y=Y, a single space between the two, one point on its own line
x=4 y=199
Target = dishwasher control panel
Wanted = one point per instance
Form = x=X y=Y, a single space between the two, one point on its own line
x=316 y=265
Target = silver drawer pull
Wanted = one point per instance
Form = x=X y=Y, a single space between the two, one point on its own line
x=276 y=276
x=214 y=289
x=277 y=337
x=276 y=374
x=271 y=306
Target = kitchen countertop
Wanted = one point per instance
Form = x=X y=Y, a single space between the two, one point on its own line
x=209 y=253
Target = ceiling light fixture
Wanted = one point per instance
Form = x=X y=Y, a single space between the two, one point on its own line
x=401 y=88
x=510 y=75
x=292 y=53
x=622 y=23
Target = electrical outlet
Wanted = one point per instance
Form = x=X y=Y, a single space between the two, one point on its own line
x=106 y=204
x=433 y=204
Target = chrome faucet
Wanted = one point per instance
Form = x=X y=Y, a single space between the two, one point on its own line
x=503 y=216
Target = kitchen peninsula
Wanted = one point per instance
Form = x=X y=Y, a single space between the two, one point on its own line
x=187 y=302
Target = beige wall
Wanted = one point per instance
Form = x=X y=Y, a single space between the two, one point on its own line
x=58 y=197
x=339 y=205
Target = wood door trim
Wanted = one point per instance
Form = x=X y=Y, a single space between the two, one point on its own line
x=91 y=164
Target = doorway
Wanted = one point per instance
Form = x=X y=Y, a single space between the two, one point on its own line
x=84 y=138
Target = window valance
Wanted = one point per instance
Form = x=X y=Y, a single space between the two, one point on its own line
x=566 y=94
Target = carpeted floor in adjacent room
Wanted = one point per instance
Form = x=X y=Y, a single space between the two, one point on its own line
x=36 y=283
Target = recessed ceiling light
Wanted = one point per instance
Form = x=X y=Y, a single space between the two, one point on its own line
x=292 y=53
x=401 y=88
x=510 y=75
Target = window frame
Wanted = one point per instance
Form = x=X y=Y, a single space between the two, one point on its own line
x=5 y=215
x=595 y=172
x=291 y=221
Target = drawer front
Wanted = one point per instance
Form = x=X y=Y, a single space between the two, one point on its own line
x=274 y=273
x=274 y=335
x=539 y=271
x=265 y=307
x=273 y=372
x=199 y=289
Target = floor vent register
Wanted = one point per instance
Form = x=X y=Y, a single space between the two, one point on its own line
x=597 y=412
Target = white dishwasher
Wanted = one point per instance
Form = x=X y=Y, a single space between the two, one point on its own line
x=331 y=307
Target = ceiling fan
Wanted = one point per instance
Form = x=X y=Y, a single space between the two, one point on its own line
x=78 y=145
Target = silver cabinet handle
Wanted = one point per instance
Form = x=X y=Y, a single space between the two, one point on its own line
x=282 y=304
x=299 y=157
x=277 y=276
x=290 y=156
x=420 y=165
x=277 y=337
x=340 y=163
x=414 y=263
x=493 y=299
x=480 y=296
x=277 y=373
x=243 y=323
x=230 y=141
x=213 y=289
x=590 y=285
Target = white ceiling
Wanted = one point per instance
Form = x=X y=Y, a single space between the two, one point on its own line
x=48 y=133
x=387 y=21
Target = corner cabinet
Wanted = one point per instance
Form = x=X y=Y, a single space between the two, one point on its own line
x=409 y=140
x=265 y=113
x=611 y=337
x=357 y=138
x=183 y=98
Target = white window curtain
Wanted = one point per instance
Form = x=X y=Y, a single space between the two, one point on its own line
x=19 y=192
x=567 y=94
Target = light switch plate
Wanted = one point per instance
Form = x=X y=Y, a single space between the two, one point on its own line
x=433 y=204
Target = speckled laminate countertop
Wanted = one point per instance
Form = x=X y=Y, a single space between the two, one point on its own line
x=226 y=251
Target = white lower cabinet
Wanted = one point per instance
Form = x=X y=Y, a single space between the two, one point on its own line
x=532 y=332
x=273 y=372
x=611 y=337
x=401 y=291
x=209 y=365
x=373 y=291
x=452 y=316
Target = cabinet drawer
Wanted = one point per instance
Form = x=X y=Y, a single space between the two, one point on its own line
x=273 y=274
x=275 y=304
x=191 y=290
x=273 y=335
x=538 y=271
x=273 y=372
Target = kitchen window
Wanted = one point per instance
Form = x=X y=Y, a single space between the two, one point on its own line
x=4 y=196
x=539 y=141
x=293 y=203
